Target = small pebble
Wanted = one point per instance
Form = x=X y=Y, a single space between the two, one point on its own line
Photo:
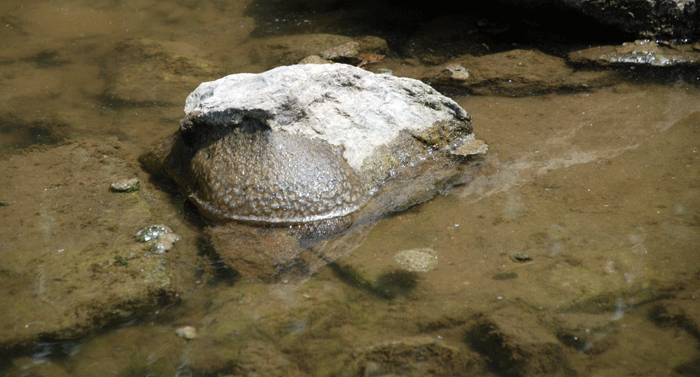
x=471 y=146
x=417 y=259
x=151 y=232
x=314 y=59
x=126 y=185
x=160 y=237
x=521 y=257
x=346 y=51
x=458 y=72
x=187 y=332
x=164 y=243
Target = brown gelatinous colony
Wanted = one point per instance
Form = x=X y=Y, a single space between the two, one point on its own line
x=248 y=173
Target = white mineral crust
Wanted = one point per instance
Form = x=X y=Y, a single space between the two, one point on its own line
x=342 y=104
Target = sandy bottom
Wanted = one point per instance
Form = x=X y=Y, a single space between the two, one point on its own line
x=571 y=248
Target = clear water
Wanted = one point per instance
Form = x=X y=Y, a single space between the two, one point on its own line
x=577 y=238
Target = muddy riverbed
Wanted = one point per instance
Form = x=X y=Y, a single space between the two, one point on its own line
x=571 y=248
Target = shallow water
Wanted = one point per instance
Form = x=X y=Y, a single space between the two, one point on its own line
x=573 y=244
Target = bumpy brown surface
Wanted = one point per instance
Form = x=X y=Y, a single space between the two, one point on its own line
x=260 y=176
x=274 y=177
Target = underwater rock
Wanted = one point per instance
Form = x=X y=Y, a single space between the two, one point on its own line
x=148 y=71
x=414 y=356
x=513 y=73
x=126 y=185
x=417 y=259
x=70 y=263
x=642 y=53
x=648 y=19
x=271 y=52
x=326 y=148
x=345 y=53
x=159 y=238
x=516 y=344
x=289 y=49
x=186 y=332
x=305 y=143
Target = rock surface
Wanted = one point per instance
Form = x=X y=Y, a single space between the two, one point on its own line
x=417 y=356
x=646 y=18
x=148 y=71
x=650 y=19
x=517 y=344
x=69 y=261
x=514 y=73
x=643 y=53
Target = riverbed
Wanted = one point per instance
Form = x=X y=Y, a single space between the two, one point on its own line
x=571 y=248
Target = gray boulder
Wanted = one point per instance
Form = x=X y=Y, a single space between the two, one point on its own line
x=646 y=18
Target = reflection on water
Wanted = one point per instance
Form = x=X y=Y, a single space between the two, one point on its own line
x=571 y=248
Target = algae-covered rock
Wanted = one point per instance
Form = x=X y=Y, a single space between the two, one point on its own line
x=69 y=261
x=148 y=71
x=415 y=356
x=516 y=344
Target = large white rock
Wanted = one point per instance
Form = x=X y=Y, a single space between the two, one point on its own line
x=341 y=104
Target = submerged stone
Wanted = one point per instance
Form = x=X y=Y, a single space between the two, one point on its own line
x=304 y=143
x=126 y=185
x=471 y=147
x=74 y=265
x=160 y=238
x=152 y=232
x=187 y=332
x=420 y=260
x=261 y=176
x=640 y=53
